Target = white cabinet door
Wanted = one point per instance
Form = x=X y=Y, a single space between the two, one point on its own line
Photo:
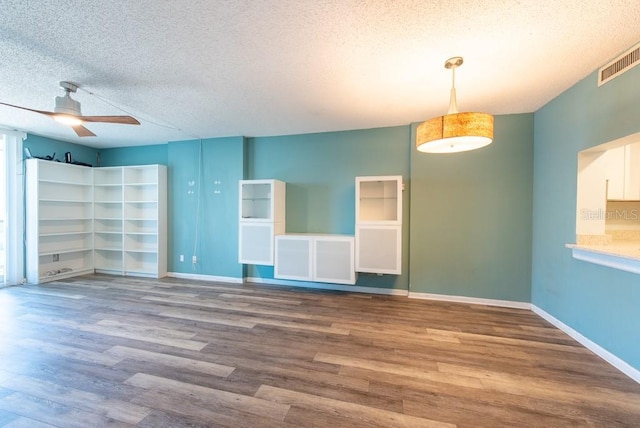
x=379 y=249
x=256 y=243
x=294 y=257
x=333 y=261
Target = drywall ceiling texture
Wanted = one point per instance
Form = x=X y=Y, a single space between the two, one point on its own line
x=278 y=67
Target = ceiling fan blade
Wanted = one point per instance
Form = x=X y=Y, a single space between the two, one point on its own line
x=48 y=113
x=124 y=120
x=82 y=131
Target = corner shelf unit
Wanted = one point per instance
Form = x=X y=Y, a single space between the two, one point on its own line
x=262 y=217
x=81 y=220
x=379 y=224
x=59 y=232
x=130 y=232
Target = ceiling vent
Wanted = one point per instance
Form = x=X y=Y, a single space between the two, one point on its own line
x=623 y=63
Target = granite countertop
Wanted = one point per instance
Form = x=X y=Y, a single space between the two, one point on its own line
x=629 y=249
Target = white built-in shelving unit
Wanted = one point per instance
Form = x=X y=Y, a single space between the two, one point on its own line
x=81 y=220
x=379 y=224
x=59 y=232
x=262 y=217
x=131 y=220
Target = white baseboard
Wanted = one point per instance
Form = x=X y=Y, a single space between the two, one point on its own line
x=325 y=286
x=200 y=277
x=610 y=358
x=471 y=300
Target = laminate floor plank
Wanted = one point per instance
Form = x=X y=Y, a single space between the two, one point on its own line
x=102 y=350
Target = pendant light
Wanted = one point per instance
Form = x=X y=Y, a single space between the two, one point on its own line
x=454 y=132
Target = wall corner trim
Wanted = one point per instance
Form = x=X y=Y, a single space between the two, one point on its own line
x=200 y=277
x=471 y=300
x=610 y=358
x=327 y=286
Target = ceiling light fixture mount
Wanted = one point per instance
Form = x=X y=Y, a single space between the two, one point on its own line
x=454 y=132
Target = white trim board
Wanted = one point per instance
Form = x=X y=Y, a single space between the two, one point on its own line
x=471 y=300
x=610 y=358
x=326 y=286
x=200 y=277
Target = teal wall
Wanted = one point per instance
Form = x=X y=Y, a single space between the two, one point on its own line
x=320 y=171
x=203 y=205
x=139 y=155
x=471 y=217
x=43 y=146
x=599 y=302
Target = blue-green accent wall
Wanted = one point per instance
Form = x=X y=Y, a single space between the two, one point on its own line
x=43 y=146
x=203 y=205
x=471 y=217
x=600 y=303
x=320 y=171
x=138 y=155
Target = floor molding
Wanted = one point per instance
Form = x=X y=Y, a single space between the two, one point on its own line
x=325 y=286
x=200 y=277
x=471 y=300
x=610 y=358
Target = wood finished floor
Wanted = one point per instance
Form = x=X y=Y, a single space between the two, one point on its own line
x=120 y=352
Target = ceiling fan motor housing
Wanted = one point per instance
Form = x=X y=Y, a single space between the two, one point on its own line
x=67 y=105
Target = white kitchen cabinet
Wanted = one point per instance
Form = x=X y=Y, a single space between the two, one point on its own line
x=378 y=243
x=622 y=171
x=262 y=217
x=320 y=258
x=59 y=215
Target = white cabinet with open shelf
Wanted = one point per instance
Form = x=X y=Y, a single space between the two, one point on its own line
x=379 y=224
x=59 y=232
x=262 y=217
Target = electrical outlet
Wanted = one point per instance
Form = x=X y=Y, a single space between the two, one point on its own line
x=181 y=257
x=194 y=260
x=56 y=257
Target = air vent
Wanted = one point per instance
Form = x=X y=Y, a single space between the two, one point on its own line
x=623 y=63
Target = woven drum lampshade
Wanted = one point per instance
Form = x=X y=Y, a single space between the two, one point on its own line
x=454 y=132
x=457 y=132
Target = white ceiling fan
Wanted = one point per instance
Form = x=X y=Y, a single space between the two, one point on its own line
x=67 y=111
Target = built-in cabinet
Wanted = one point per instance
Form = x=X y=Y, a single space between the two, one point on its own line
x=378 y=243
x=81 y=220
x=59 y=215
x=262 y=217
x=321 y=258
x=376 y=247
x=130 y=231
x=622 y=166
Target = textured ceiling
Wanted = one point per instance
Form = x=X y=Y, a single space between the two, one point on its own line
x=209 y=68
